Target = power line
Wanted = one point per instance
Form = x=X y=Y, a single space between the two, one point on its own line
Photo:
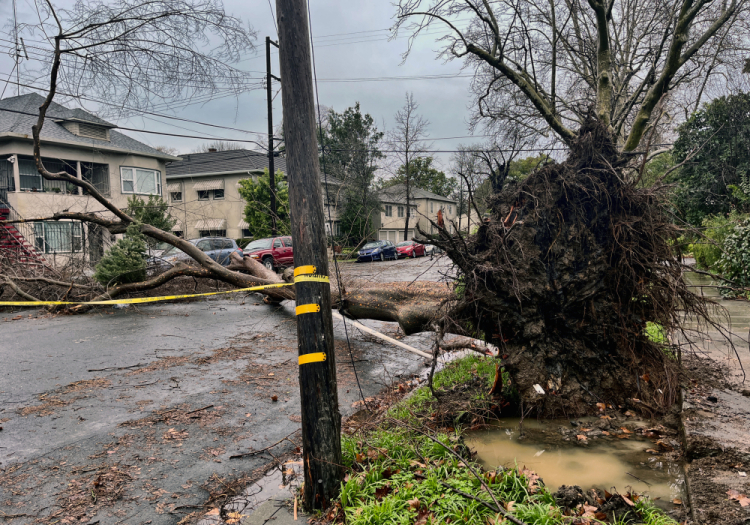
x=141 y=111
x=144 y=130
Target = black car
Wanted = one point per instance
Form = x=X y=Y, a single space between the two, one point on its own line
x=377 y=251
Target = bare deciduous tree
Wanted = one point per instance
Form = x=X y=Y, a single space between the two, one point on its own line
x=544 y=63
x=408 y=139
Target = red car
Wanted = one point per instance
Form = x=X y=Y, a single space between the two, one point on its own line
x=274 y=252
x=410 y=249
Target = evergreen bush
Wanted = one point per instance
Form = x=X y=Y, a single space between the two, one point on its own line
x=125 y=262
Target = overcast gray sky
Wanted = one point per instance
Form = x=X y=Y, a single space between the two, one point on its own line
x=351 y=42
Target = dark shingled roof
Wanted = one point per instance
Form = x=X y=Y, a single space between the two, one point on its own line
x=397 y=194
x=12 y=122
x=217 y=162
x=222 y=162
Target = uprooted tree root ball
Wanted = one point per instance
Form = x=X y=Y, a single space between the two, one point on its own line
x=563 y=277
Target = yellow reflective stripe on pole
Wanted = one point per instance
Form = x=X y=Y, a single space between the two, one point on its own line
x=307 y=309
x=141 y=300
x=312 y=279
x=312 y=358
x=302 y=270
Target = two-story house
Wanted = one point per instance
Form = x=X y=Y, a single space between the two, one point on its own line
x=83 y=145
x=204 y=196
x=424 y=207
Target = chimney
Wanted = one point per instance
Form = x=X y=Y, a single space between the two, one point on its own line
x=212 y=150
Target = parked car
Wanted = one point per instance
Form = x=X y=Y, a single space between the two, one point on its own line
x=431 y=249
x=158 y=249
x=377 y=250
x=274 y=252
x=410 y=249
x=218 y=248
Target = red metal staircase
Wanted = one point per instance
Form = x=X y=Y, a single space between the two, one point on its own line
x=13 y=243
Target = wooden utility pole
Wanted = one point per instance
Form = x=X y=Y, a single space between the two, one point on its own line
x=321 y=420
x=271 y=167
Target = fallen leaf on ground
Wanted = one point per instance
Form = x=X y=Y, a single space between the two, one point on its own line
x=582 y=437
x=414 y=503
x=274 y=398
x=601 y=406
x=677 y=501
x=234 y=517
x=743 y=500
x=382 y=492
x=627 y=500
x=589 y=511
x=625 y=430
x=213 y=512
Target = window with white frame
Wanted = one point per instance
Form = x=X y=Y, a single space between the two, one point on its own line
x=388 y=210
x=400 y=211
x=432 y=207
x=450 y=209
x=140 y=181
x=58 y=237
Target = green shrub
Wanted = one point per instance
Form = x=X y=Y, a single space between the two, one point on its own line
x=125 y=262
x=708 y=251
x=243 y=242
x=734 y=263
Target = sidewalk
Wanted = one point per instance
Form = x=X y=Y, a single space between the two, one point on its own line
x=716 y=416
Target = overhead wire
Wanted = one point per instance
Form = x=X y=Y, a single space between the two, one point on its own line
x=328 y=199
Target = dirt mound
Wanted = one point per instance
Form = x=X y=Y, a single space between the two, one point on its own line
x=563 y=278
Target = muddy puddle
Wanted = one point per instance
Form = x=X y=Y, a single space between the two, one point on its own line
x=552 y=450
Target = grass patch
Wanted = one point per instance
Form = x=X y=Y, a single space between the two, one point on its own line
x=398 y=468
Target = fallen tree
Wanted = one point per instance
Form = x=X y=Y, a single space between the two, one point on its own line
x=564 y=276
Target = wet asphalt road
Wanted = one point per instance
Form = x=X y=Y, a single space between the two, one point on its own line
x=148 y=403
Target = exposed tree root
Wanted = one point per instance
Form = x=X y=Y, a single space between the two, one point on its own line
x=563 y=278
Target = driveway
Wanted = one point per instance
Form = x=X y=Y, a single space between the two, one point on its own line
x=123 y=416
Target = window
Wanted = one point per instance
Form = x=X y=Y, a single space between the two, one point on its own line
x=432 y=207
x=204 y=245
x=218 y=194
x=222 y=244
x=140 y=181
x=176 y=196
x=388 y=210
x=287 y=242
x=212 y=233
x=97 y=175
x=400 y=211
x=277 y=243
x=203 y=195
x=177 y=233
x=450 y=210
x=58 y=237
x=246 y=233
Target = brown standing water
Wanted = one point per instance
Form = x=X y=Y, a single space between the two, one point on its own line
x=604 y=462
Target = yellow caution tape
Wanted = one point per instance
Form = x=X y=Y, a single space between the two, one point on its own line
x=141 y=300
x=312 y=358
x=301 y=270
x=312 y=279
x=307 y=309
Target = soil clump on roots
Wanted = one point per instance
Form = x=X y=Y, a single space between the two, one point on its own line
x=563 y=277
